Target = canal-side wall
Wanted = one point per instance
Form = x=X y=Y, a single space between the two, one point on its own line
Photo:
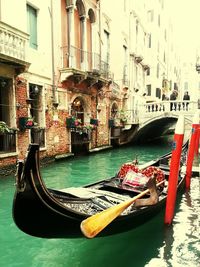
x=57 y=136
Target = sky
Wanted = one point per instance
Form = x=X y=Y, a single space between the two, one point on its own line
x=186 y=23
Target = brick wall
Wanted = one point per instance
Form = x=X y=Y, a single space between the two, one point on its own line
x=57 y=134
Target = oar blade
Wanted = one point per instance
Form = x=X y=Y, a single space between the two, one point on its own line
x=93 y=225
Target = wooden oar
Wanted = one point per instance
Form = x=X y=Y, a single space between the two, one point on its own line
x=93 y=225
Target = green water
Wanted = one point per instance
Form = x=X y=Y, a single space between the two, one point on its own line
x=151 y=244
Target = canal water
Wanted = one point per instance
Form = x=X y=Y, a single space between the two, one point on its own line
x=151 y=244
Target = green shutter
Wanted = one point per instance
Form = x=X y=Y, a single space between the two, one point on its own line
x=32 y=26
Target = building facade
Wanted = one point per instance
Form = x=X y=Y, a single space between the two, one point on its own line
x=73 y=73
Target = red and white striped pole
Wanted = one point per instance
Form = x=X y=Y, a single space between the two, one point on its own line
x=174 y=170
x=197 y=142
x=192 y=149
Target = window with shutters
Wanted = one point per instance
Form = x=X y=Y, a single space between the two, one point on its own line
x=32 y=26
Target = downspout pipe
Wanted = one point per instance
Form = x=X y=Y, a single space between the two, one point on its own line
x=55 y=103
x=100 y=30
x=99 y=9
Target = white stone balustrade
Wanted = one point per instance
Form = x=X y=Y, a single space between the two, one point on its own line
x=171 y=106
x=148 y=111
x=13 y=43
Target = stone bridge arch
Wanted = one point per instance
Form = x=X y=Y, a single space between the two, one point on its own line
x=157 y=126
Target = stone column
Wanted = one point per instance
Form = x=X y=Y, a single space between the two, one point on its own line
x=84 y=63
x=71 y=40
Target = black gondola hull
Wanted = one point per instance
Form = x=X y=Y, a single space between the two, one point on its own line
x=38 y=212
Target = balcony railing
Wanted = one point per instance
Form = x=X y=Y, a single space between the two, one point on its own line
x=13 y=44
x=78 y=139
x=7 y=142
x=125 y=75
x=198 y=68
x=38 y=136
x=104 y=67
x=76 y=58
x=171 y=106
x=115 y=89
x=116 y=132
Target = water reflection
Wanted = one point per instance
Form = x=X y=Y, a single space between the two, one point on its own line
x=181 y=246
x=148 y=245
x=128 y=249
x=86 y=169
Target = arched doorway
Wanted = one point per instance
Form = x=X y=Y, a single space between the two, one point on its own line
x=114 y=124
x=80 y=136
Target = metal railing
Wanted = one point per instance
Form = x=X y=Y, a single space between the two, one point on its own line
x=115 y=89
x=125 y=75
x=76 y=58
x=77 y=138
x=116 y=132
x=7 y=142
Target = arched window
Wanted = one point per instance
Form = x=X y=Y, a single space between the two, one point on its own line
x=81 y=14
x=81 y=8
x=91 y=15
x=91 y=19
x=114 y=110
x=77 y=109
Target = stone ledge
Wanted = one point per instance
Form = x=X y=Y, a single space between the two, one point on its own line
x=8 y=155
x=7 y=171
x=64 y=156
x=97 y=149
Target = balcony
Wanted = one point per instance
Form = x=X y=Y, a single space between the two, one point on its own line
x=13 y=45
x=145 y=66
x=80 y=65
x=7 y=142
x=125 y=76
x=79 y=139
x=115 y=90
x=116 y=132
x=198 y=68
x=138 y=58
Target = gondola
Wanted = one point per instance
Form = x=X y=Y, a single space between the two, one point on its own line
x=48 y=213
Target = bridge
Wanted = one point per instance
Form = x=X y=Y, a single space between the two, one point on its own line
x=152 y=120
